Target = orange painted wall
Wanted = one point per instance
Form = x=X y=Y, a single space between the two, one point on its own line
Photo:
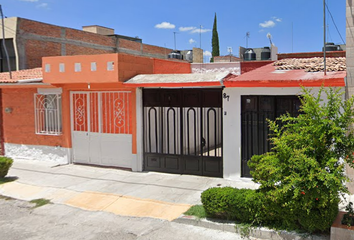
x=171 y=66
x=19 y=126
x=247 y=66
x=85 y=75
x=130 y=66
x=126 y=66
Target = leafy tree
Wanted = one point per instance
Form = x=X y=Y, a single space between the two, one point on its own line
x=303 y=176
x=215 y=41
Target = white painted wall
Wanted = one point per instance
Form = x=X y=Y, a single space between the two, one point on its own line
x=40 y=153
x=232 y=124
x=137 y=163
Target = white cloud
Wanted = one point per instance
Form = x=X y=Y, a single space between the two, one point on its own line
x=186 y=29
x=165 y=25
x=198 y=30
x=277 y=19
x=191 y=41
x=267 y=24
x=207 y=54
x=42 y=5
x=29 y=0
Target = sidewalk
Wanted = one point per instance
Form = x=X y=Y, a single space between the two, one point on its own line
x=140 y=194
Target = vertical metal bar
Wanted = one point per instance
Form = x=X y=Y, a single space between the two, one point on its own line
x=128 y=111
x=208 y=115
x=88 y=113
x=35 y=113
x=99 y=111
x=324 y=37
x=58 y=111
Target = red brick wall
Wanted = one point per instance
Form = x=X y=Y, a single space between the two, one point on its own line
x=35 y=50
x=19 y=126
x=248 y=66
x=310 y=54
x=89 y=37
x=167 y=67
x=156 y=50
x=123 y=43
x=77 y=50
x=39 y=28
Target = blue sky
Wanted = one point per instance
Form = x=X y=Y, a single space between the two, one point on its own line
x=155 y=21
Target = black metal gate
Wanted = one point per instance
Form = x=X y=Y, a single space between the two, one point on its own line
x=183 y=131
x=255 y=110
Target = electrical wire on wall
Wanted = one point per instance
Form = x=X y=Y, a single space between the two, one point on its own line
x=3 y=42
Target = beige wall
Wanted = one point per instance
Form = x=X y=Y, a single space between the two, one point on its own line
x=350 y=68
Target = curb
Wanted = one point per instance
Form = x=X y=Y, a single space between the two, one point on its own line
x=258 y=233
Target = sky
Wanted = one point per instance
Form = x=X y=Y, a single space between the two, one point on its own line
x=294 y=25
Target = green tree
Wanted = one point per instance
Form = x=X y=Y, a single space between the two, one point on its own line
x=303 y=176
x=215 y=41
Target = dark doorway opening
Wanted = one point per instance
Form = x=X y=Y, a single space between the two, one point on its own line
x=255 y=110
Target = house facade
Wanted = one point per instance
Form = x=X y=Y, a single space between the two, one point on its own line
x=148 y=114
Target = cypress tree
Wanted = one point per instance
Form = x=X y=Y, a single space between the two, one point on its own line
x=215 y=42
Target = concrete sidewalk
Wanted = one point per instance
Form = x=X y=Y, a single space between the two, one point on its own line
x=140 y=194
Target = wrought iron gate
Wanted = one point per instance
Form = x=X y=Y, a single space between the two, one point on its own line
x=255 y=110
x=183 y=131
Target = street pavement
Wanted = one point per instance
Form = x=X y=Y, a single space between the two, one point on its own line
x=124 y=193
x=19 y=221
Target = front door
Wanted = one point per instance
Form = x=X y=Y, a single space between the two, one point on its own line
x=101 y=128
x=183 y=131
x=255 y=110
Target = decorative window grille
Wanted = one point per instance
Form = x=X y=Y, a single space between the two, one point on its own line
x=48 y=114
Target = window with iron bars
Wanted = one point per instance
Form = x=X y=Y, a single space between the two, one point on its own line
x=48 y=114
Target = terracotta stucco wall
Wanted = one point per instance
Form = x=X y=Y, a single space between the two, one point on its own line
x=19 y=125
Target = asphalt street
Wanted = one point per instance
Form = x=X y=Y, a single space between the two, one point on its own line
x=19 y=220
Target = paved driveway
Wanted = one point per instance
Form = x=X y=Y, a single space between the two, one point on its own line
x=141 y=194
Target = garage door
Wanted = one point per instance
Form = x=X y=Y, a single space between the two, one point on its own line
x=101 y=130
x=183 y=131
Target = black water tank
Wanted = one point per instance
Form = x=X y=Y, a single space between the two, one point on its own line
x=249 y=55
x=265 y=54
x=330 y=47
x=176 y=55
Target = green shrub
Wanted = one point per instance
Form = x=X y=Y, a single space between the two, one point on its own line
x=319 y=219
x=244 y=205
x=304 y=172
x=5 y=164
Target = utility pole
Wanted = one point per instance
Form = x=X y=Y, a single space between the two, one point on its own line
x=324 y=37
x=3 y=42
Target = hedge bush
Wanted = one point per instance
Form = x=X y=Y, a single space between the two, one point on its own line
x=244 y=205
x=5 y=164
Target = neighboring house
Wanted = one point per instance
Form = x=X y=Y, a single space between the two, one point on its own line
x=80 y=112
x=150 y=114
x=28 y=41
x=227 y=58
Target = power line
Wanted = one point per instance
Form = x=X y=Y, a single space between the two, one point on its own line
x=334 y=23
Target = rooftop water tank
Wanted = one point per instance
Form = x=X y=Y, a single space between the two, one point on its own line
x=249 y=55
x=189 y=56
x=265 y=54
x=176 y=55
x=330 y=47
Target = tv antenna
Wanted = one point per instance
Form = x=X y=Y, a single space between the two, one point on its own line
x=247 y=37
x=174 y=35
x=269 y=36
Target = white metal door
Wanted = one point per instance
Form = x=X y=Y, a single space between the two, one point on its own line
x=101 y=131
